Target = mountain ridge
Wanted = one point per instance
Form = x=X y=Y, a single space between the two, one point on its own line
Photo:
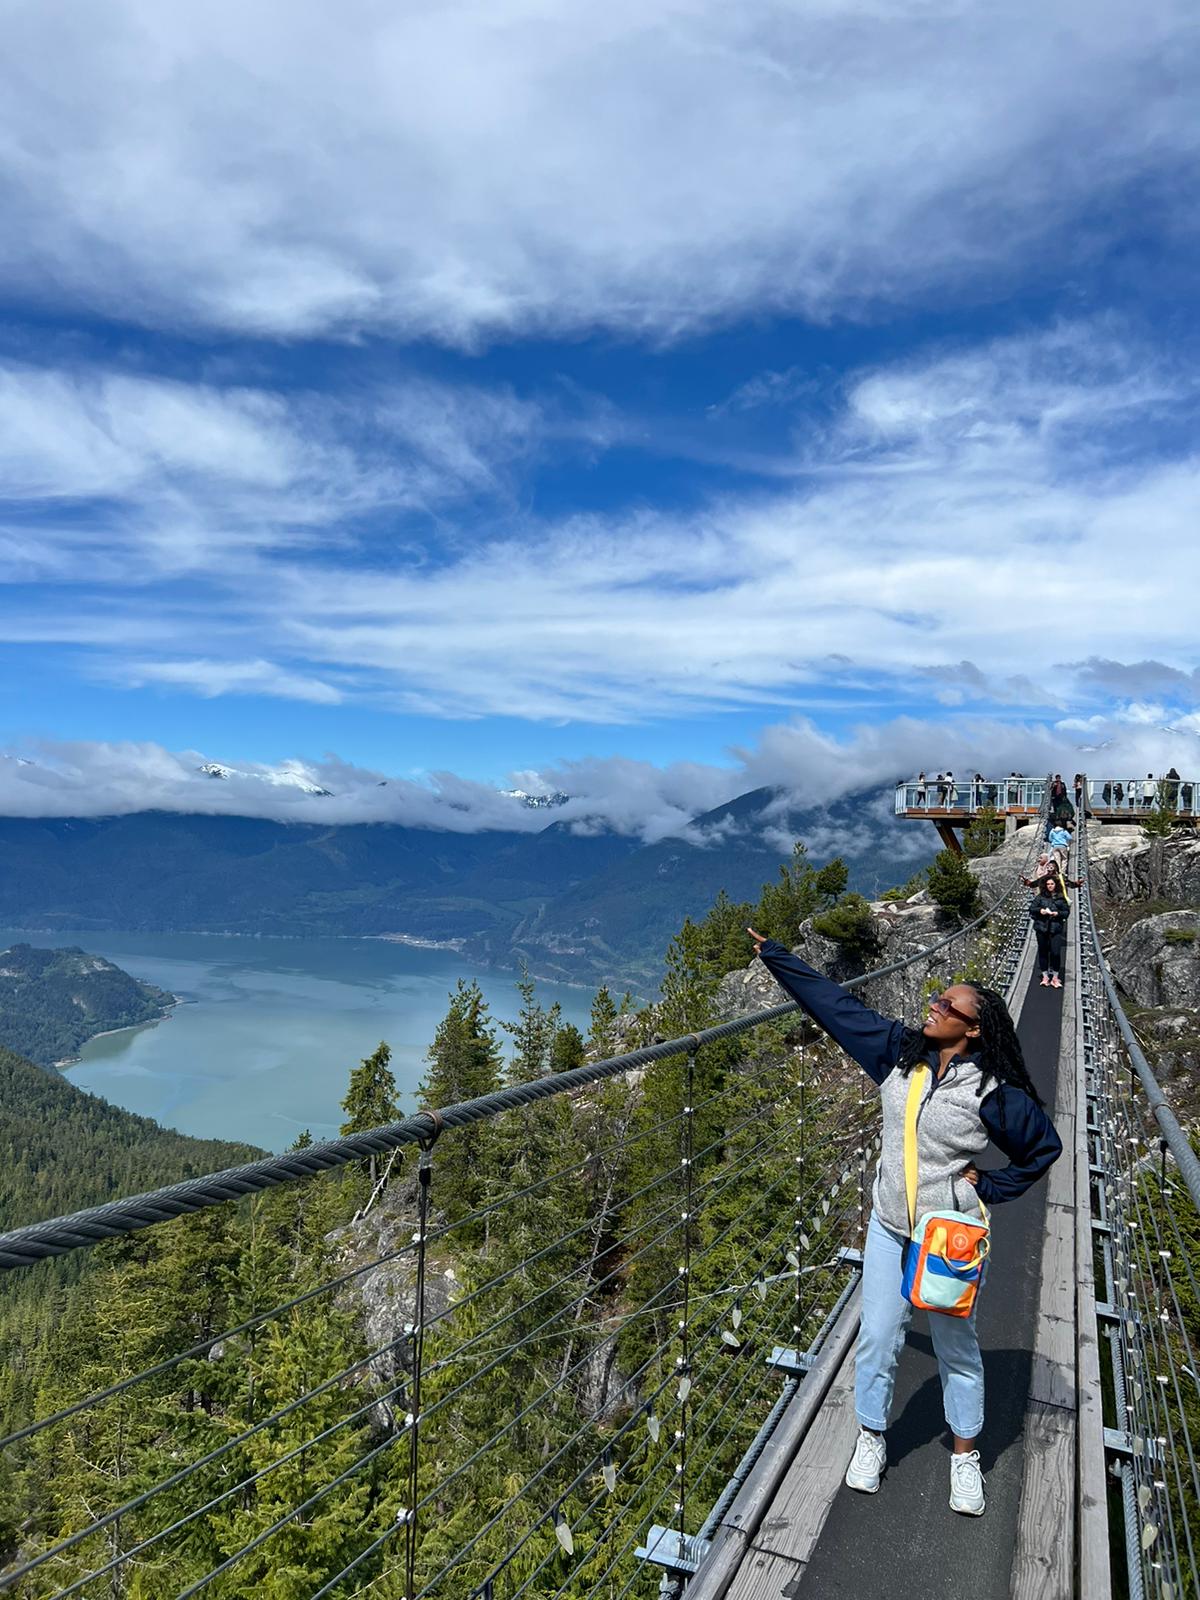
x=575 y=901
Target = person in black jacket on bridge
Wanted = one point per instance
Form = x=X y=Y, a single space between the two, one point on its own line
x=1048 y=911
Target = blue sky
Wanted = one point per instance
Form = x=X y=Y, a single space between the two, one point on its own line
x=651 y=401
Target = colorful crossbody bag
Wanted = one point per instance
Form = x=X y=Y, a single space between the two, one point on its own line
x=943 y=1259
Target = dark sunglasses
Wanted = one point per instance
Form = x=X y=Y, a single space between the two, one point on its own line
x=949 y=1009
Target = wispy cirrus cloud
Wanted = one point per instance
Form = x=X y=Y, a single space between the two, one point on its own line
x=210 y=679
x=480 y=169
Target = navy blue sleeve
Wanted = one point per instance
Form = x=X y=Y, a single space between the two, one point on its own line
x=1020 y=1128
x=872 y=1040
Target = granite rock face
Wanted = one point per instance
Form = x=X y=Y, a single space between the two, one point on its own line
x=1157 y=962
x=1133 y=868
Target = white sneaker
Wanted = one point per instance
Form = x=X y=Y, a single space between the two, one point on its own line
x=966 y=1484
x=869 y=1460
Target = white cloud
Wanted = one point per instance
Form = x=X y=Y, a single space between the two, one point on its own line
x=959 y=530
x=213 y=678
x=494 y=166
x=809 y=769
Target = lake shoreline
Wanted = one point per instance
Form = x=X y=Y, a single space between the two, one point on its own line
x=164 y=1015
x=263 y=1047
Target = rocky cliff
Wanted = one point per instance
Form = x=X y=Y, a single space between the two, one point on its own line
x=1147 y=900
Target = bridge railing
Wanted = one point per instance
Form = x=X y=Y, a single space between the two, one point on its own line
x=532 y=1368
x=1145 y=1222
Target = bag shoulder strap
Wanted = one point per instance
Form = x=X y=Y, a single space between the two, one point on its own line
x=916 y=1087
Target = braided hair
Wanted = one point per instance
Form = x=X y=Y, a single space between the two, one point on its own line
x=998 y=1052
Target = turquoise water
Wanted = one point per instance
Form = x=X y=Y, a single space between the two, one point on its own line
x=262 y=1046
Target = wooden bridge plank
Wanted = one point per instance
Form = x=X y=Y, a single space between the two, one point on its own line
x=1043 y=1562
x=763 y=1576
x=797 y=1515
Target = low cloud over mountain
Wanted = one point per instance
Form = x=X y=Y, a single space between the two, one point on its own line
x=636 y=798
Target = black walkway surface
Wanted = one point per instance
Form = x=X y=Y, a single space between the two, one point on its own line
x=905 y=1541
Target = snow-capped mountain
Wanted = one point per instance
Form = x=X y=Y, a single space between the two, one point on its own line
x=537 y=802
x=288 y=776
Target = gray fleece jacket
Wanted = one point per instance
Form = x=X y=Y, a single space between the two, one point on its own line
x=955 y=1120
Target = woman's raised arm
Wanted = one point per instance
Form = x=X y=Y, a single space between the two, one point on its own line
x=873 y=1041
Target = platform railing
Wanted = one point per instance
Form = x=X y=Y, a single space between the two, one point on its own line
x=1025 y=796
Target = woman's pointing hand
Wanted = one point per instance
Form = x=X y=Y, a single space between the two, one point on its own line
x=759 y=940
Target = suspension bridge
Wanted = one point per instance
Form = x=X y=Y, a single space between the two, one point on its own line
x=676 y=1361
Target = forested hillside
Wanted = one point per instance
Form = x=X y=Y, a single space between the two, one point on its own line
x=52 y=1001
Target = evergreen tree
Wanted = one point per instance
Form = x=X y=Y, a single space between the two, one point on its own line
x=464 y=1063
x=985 y=832
x=953 y=886
x=851 y=925
x=1159 y=822
x=724 y=940
x=602 y=1033
x=533 y=1034
x=568 y=1049
x=800 y=891
x=371 y=1100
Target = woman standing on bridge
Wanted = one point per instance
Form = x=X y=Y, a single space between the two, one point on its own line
x=1048 y=911
x=979 y=1090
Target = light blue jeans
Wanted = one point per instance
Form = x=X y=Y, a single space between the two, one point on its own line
x=885 y=1318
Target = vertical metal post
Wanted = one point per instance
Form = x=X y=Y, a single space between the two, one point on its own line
x=801 y=1175
x=683 y=1362
x=420 y=1238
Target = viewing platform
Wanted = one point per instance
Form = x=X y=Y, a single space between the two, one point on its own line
x=952 y=802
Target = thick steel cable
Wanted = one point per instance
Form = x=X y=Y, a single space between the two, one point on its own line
x=82 y=1229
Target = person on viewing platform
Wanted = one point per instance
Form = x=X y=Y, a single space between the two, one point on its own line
x=1058 y=798
x=951 y=790
x=1119 y=794
x=1014 y=788
x=979 y=1089
x=1171 y=789
x=1048 y=911
x=1185 y=796
x=1148 y=788
x=940 y=784
x=1106 y=793
x=922 y=789
x=1133 y=790
x=1078 y=791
